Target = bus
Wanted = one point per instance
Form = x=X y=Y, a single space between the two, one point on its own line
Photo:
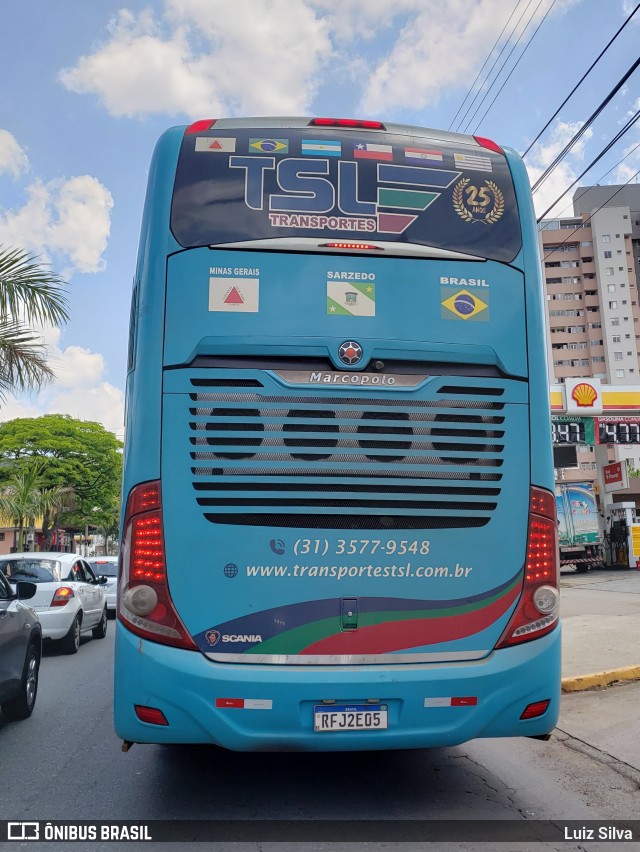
x=339 y=527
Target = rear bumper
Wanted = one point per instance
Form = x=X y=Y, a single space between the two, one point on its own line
x=185 y=686
x=57 y=622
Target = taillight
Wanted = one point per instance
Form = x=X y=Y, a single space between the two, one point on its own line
x=144 y=600
x=488 y=143
x=62 y=596
x=354 y=123
x=200 y=126
x=537 y=610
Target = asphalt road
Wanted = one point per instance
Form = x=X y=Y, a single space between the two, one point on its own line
x=65 y=763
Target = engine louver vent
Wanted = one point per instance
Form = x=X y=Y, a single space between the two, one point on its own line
x=302 y=459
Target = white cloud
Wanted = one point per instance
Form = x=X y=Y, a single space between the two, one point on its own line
x=103 y=403
x=441 y=47
x=628 y=169
x=78 y=389
x=211 y=57
x=206 y=58
x=542 y=156
x=13 y=158
x=67 y=217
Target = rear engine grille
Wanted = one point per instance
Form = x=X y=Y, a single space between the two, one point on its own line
x=314 y=461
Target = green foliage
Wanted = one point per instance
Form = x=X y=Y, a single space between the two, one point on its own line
x=79 y=456
x=631 y=470
x=29 y=294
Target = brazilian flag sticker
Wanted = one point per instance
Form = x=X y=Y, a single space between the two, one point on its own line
x=269 y=146
x=464 y=305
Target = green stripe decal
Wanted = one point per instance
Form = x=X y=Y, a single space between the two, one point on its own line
x=406 y=199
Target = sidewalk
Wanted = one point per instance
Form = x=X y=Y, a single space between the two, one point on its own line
x=600 y=614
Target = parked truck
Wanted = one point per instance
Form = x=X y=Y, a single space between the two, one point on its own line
x=579 y=530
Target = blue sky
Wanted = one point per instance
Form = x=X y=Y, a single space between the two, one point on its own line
x=89 y=87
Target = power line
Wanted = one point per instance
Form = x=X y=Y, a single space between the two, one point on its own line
x=578 y=135
x=486 y=94
x=496 y=43
x=587 y=221
x=582 y=79
x=615 y=139
x=526 y=47
x=615 y=165
x=496 y=60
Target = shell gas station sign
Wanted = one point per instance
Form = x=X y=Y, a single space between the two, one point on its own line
x=589 y=398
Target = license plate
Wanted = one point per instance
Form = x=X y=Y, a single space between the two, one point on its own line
x=350 y=717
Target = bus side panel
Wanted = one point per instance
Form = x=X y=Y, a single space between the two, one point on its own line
x=529 y=259
x=144 y=382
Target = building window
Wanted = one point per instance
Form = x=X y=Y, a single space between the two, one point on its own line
x=613 y=305
x=608 y=270
x=615 y=321
x=617 y=356
x=611 y=288
x=616 y=338
x=606 y=238
x=619 y=374
x=608 y=253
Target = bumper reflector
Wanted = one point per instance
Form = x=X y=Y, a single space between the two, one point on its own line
x=150 y=714
x=538 y=708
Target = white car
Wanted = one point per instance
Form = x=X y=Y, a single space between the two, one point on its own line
x=69 y=599
x=107 y=566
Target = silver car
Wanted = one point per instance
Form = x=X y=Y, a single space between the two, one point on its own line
x=107 y=567
x=20 y=650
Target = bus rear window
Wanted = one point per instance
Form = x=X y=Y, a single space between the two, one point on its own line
x=242 y=185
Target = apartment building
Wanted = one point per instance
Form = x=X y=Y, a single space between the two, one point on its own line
x=590 y=263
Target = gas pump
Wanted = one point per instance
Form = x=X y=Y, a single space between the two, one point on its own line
x=622 y=518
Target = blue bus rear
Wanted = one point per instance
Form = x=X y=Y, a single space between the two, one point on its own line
x=340 y=517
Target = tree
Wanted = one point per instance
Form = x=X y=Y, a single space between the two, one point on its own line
x=79 y=455
x=29 y=294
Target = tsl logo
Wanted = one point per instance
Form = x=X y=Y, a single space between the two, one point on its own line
x=310 y=199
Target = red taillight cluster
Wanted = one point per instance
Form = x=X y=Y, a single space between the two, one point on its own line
x=148 y=547
x=537 y=610
x=144 y=601
x=489 y=144
x=200 y=126
x=62 y=596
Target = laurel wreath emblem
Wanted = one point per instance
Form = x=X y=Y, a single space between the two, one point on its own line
x=462 y=211
x=458 y=200
x=498 y=206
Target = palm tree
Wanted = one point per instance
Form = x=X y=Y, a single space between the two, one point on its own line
x=23 y=499
x=29 y=294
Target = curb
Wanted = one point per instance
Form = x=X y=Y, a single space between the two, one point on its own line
x=589 y=681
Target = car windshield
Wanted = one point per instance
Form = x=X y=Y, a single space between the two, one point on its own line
x=32 y=570
x=109 y=569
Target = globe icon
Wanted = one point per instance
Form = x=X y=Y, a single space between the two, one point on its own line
x=465 y=304
x=230 y=569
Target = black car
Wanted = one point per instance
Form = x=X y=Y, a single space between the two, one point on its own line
x=20 y=650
